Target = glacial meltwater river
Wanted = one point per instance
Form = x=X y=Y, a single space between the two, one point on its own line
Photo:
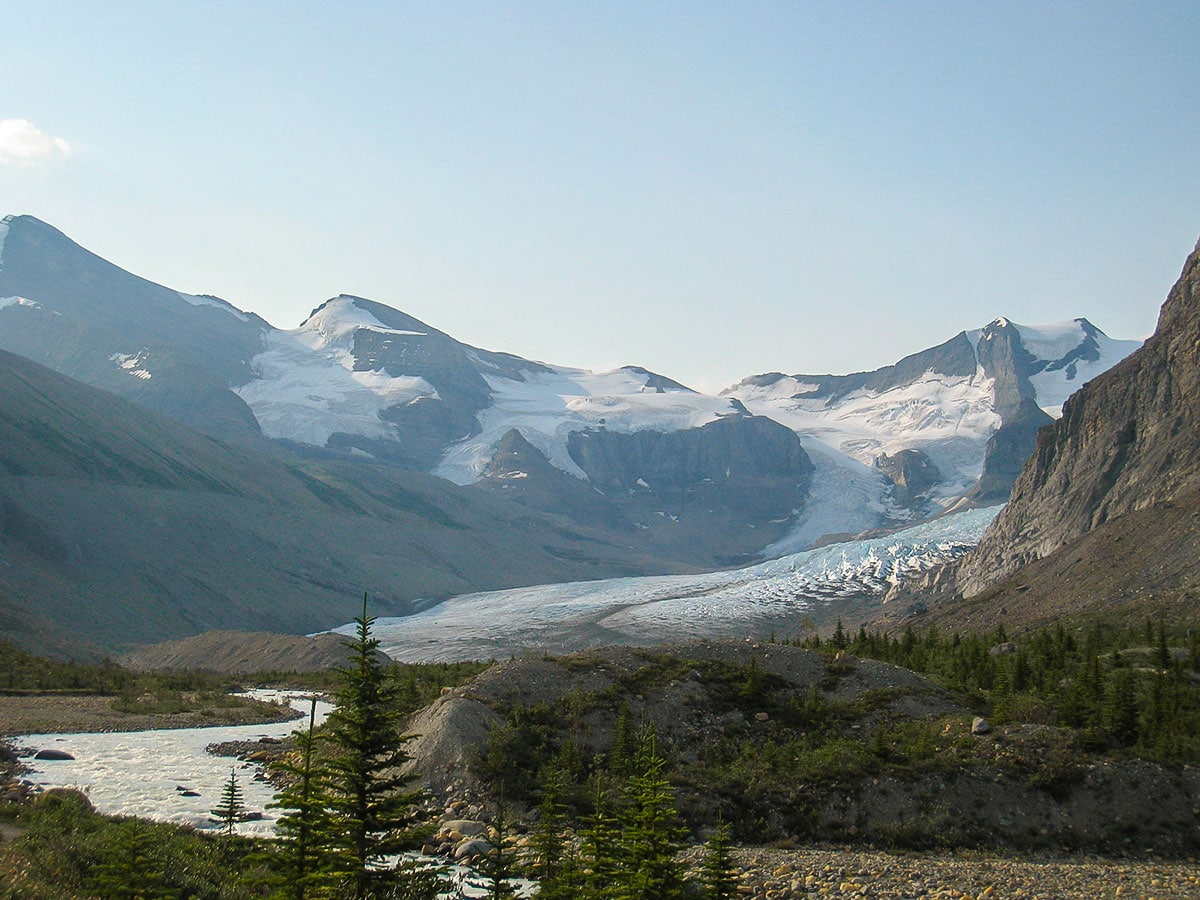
x=165 y=775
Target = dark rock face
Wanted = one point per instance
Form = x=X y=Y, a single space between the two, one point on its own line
x=1005 y=359
x=751 y=465
x=454 y=369
x=1000 y=352
x=1127 y=441
x=911 y=471
x=1007 y=450
x=717 y=493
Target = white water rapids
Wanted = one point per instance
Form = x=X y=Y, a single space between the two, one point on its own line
x=145 y=773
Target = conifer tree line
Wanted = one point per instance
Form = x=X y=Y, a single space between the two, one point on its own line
x=1125 y=688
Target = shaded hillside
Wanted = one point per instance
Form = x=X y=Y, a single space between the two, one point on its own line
x=1129 y=441
x=118 y=526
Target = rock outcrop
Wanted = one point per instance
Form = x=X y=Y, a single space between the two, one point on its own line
x=911 y=472
x=1126 y=442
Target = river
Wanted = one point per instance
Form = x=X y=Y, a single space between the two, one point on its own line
x=166 y=775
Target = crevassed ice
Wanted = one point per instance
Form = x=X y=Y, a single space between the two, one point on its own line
x=565 y=617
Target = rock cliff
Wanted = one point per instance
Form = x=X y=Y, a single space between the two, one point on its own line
x=1126 y=442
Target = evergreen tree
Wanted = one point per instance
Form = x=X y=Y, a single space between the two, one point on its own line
x=718 y=872
x=368 y=807
x=650 y=830
x=499 y=865
x=1163 y=652
x=131 y=872
x=304 y=860
x=546 y=844
x=600 y=849
x=1121 y=707
x=620 y=753
x=839 y=640
x=229 y=811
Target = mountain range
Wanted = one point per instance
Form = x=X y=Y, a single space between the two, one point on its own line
x=368 y=450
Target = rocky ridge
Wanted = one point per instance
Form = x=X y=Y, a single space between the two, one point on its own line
x=1125 y=443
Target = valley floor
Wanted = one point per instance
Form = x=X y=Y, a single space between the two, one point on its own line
x=836 y=872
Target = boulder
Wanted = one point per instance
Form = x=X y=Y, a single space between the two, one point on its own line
x=52 y=754
x=466 y=827
x=472 y=847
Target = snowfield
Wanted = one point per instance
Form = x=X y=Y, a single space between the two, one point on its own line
x=560 y=618
x=547 y=406
x=950 y=418
x=1055 y=341
x=307 y=389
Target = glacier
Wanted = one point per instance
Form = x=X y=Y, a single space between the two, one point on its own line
x=751 y=601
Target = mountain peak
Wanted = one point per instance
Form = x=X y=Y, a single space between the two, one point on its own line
x=337 y=320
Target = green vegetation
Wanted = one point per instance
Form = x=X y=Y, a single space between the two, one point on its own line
x=629 y=842
x=368 y=809
x=230 y=808
x=68 y=850
x=615 y=798
x=1128 y=689
x=348 y=807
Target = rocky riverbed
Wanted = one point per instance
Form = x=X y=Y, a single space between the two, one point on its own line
x=835 y=872
x=832 y=871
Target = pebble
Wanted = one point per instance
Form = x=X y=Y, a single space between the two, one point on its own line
x=831 y=872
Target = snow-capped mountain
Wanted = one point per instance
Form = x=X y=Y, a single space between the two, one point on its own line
x=956 y=420
x=775 y=462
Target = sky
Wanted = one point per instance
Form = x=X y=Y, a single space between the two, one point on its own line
x=709 y=190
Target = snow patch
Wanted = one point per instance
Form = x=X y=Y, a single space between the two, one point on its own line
x=209 y=300
x=6 y=302
x=133 y=363
x=547 y=406
x=336 y=321
x=1055 y=385
x=950 y=418
x=3 y=236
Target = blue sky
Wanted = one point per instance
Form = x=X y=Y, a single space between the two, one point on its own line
x=710 y=190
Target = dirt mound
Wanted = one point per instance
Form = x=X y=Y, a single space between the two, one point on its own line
x=241 y=652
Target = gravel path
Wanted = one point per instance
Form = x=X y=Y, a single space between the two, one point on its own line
x=787 y=874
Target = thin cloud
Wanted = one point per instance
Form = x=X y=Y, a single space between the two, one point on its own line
x=24 y=144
